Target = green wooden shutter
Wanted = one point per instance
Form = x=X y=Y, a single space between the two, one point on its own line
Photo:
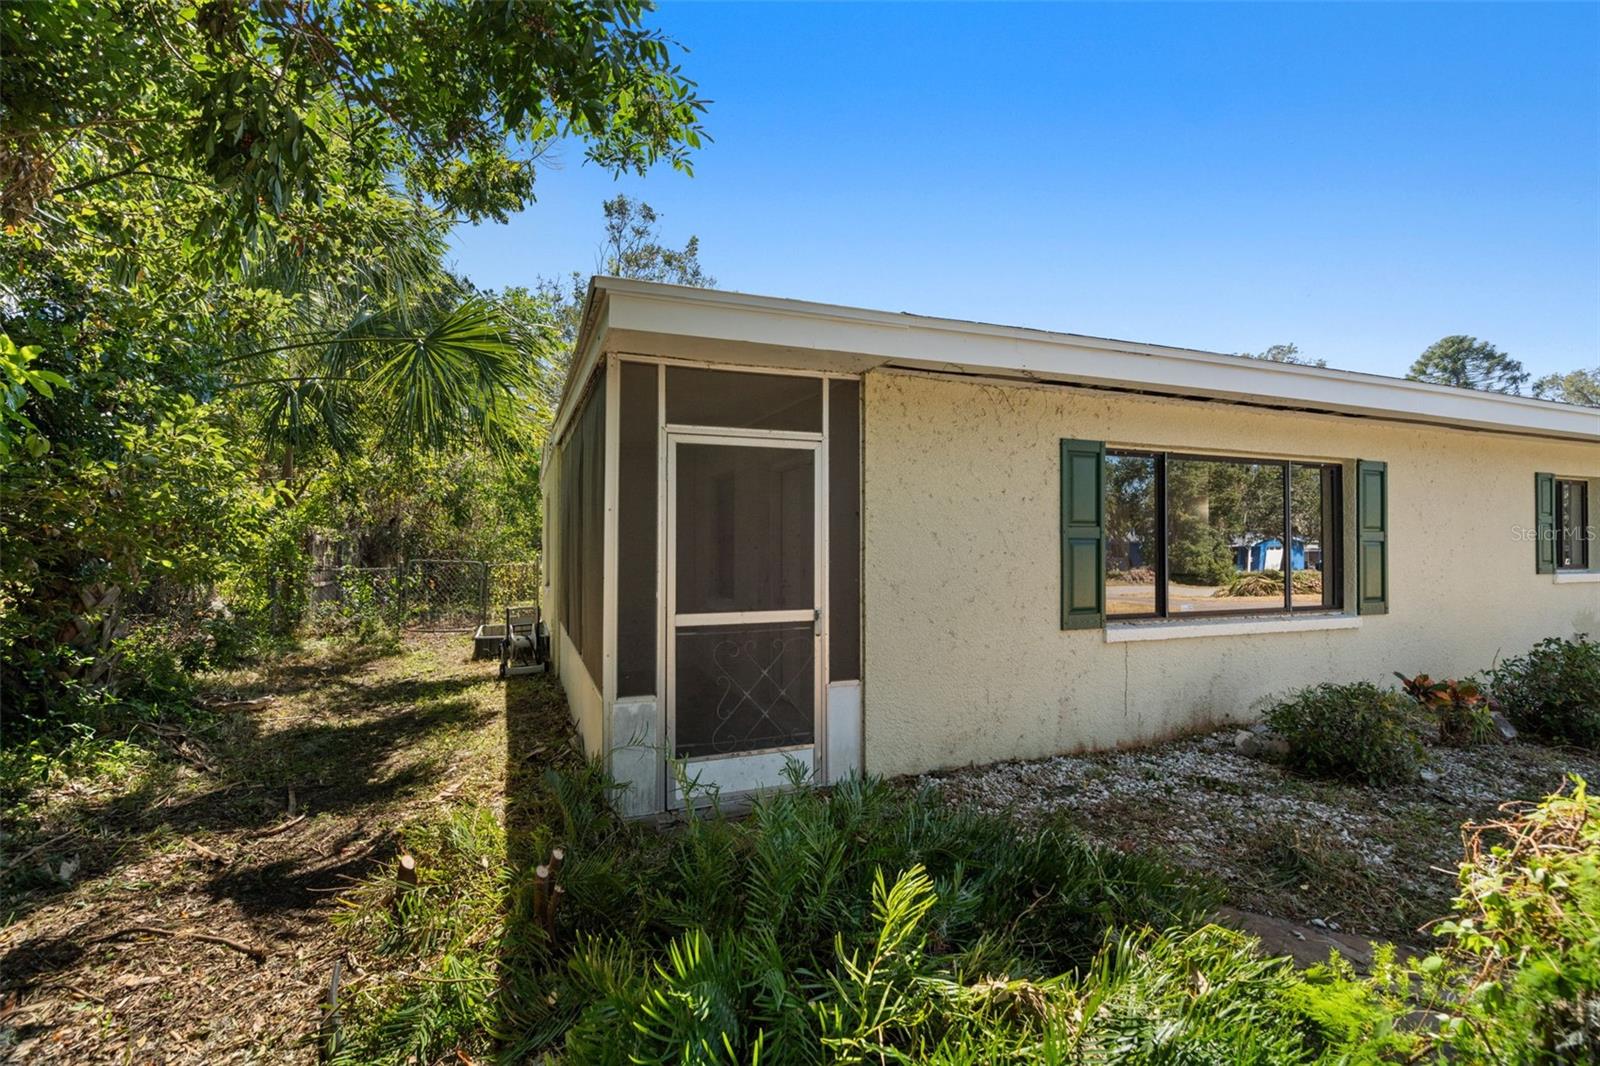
x=1544 y=523
x=1372 y=537
x=1082 y=534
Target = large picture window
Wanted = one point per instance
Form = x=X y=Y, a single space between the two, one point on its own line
x=1202 y=535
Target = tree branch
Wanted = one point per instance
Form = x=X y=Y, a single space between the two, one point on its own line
x=132 y=171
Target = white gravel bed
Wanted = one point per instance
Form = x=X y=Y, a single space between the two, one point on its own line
x=1207 y=807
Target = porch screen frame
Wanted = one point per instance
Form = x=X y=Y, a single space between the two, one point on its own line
x=816 y=616
x=663 y=647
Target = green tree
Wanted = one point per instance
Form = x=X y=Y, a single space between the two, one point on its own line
x=223 y=236
x=1131 y=503
x=19 y=381
x=1577 y=386
x=274 y=103
x=1468 y=363
x=1211 y=505
x=1284 y=353
x=632 y=247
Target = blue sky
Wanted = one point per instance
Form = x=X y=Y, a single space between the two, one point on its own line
x=1357 y=179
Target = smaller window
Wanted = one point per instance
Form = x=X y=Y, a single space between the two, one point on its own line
x=1573 y=531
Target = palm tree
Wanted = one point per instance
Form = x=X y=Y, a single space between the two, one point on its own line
x=393 y=345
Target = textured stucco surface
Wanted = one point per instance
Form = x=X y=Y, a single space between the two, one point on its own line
x=964 y=658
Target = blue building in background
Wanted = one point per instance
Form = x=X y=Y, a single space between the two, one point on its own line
x=1268 y=555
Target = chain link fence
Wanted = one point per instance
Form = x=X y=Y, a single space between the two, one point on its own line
x=432 y=595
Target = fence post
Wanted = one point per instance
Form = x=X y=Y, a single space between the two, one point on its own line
x=483 y=593
x=401 y=570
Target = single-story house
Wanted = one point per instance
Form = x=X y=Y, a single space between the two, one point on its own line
x=784 y=533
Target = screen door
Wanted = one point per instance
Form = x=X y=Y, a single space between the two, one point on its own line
x=744 y=607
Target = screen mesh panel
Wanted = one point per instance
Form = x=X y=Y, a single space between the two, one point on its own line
x=582 y=528
x=746 y=529
x=744 y=688
x=844 y=530
x=739 y=400
x=637 y=478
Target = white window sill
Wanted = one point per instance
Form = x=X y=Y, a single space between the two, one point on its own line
x=1178 y=629
x=1576 y=577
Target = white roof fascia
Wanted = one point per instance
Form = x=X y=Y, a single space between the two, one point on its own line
x=825 y=332
x=587 y=352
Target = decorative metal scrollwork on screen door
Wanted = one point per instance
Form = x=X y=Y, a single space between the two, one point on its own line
x=746 y=688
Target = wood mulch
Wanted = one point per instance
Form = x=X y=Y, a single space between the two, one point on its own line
x=180 y=913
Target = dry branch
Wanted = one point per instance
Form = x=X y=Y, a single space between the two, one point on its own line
x=240 y=705
x=19 y=859
x=275 y=830
x=259 y=954
x=201 y=849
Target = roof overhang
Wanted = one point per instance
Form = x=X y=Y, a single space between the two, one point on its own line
x=709 y=325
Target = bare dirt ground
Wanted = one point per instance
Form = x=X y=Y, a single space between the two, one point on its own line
x=1361 y=859
x=175 y=908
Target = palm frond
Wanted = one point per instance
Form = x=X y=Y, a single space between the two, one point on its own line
x=303 y=413
x=454 y=379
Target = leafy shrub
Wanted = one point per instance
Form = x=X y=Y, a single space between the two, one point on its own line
x=1553 y=692
x=1460 y=707
x=1521 y=974
x=1356 y=731
x=151 y=678
x=153 y=664
x=365 y=609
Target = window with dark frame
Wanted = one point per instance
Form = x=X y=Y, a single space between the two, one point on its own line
x=1572 y=524
x=1199 y=535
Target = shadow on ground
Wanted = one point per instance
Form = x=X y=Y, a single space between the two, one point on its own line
x=346 y=739
x=539 y=739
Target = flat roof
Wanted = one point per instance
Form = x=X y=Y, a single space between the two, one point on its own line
x=623 y=315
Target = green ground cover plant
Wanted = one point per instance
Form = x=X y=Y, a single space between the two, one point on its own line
x=873 y=926
x=855 y=920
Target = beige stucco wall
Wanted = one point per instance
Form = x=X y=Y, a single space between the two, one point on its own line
x=965 y=661
x=583 y=695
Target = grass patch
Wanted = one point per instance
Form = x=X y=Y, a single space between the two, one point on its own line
x=244 y=818
x=1308 y=872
